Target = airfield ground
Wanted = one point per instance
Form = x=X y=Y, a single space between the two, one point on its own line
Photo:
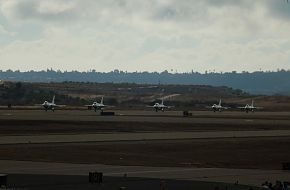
x=234 y=140
x=19 y=122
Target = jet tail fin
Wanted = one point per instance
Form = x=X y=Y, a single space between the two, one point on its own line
x=102 y=100
x=162 y=100
x=53 y=99
x=220 y=102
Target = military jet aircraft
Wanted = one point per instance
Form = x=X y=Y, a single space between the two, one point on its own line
x=218 y=107
x=248 y=107
x=50 y=105
x=97 y=106
x=160 y=106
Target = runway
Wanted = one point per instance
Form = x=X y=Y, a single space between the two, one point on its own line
x=81 y=138
x=146 y=138
x=147 y=116
x=39 y=122
x=244 y=176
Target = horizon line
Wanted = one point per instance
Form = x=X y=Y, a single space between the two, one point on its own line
x=159 y=72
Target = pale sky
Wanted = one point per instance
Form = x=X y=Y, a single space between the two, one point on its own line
x=145 y=35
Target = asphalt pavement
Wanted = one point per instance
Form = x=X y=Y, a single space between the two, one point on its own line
x=243 y=176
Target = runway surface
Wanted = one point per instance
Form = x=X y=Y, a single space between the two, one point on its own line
x=78 y=138
x=39 y=122
x=36 y=128
x=148 y=116
x=244 y=176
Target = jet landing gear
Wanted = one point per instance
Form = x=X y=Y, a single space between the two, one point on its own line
x=247 y=111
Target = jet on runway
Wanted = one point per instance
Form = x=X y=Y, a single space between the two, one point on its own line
x=248 y=107
x=218 y=107
x=50 y=105
x=97 y=106
x=160 y=106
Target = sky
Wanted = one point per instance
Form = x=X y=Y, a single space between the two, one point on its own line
x=150 y=35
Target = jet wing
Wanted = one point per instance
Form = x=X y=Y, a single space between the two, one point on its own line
x=59 y=106
x=107 y=106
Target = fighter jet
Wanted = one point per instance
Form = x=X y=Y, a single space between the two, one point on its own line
x=50 y=105
x=160 y=106
x=218 y=107
x=97 y=106
x=248 y=107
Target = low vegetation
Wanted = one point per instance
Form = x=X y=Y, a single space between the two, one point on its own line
x=130 y=95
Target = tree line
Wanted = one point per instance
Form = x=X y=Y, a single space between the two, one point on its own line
x=269 y=83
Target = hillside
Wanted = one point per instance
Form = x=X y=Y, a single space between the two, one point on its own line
x=267 y=83
x=120 y=94
x=133 y=96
